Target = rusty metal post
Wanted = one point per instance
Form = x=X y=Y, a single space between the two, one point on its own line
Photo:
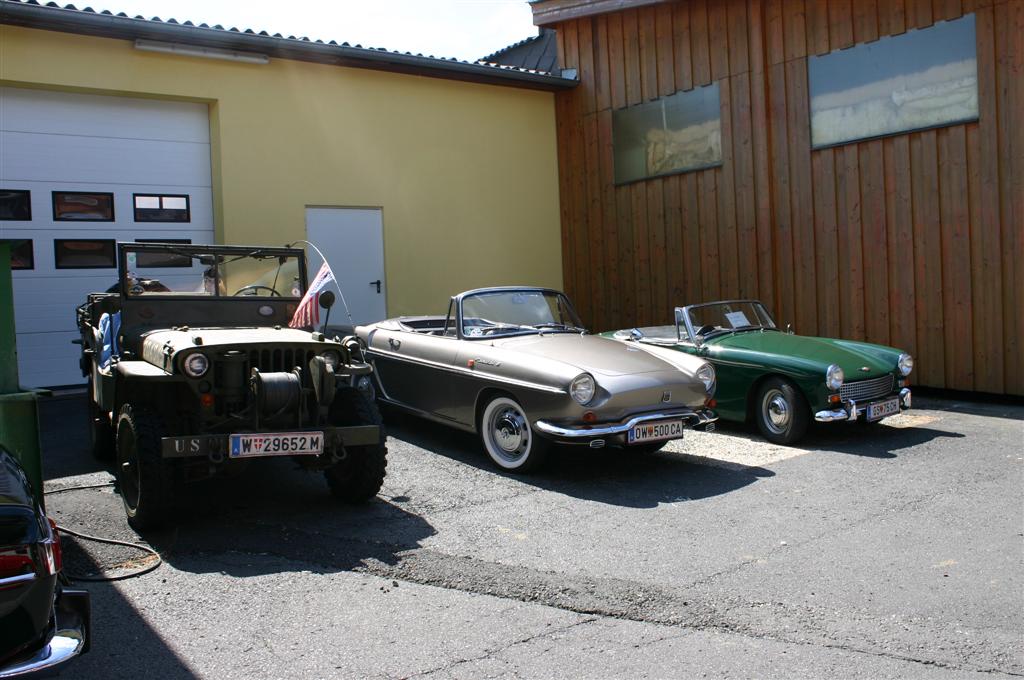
x=19 y=415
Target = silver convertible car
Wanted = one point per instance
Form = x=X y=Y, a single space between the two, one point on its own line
x=515 y=366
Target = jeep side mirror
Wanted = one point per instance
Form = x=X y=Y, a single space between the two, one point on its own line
x=326 y=299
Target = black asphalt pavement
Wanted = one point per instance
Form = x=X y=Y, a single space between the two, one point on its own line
x=894 y=550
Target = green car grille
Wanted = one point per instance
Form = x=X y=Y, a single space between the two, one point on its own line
x=871 y=388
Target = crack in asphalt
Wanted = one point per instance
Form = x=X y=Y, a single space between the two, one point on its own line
x=612 y=598
x=494 y=652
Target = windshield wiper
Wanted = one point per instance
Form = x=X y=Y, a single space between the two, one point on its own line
x=554 y=325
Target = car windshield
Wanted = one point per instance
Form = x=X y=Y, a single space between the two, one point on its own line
x=180 y=271
x=726 y=317
x=513 y=312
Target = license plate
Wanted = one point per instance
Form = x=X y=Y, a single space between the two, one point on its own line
x=652 y=432
x=277 y=444
x=883 y=408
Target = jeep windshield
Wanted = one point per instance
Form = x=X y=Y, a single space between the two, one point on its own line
x=515 y=312
x=154 y=270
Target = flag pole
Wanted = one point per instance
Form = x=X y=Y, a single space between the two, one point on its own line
x=336 y=281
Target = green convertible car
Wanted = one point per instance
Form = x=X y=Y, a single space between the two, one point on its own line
x=780 y=380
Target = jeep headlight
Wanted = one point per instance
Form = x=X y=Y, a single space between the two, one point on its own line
x=706 y=374
x=196 y=365
x=834 y=377
x=332 y=359
x=582 y=388
x=906 y=364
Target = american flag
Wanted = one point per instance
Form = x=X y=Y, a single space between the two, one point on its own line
x=308 y=312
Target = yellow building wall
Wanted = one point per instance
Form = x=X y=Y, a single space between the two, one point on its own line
x=466 y=174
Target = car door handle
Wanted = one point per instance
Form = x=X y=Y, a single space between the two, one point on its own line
x=394 y=344
x=376 y=283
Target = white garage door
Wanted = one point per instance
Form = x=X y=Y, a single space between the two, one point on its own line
x=78 y=173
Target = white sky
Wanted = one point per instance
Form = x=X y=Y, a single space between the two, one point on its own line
x=465 y=29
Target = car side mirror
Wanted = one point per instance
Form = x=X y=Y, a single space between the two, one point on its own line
x=326 y=299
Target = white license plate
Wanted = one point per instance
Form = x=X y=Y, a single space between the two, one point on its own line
x=652 y=432
x=277 y=444
x=883 y=408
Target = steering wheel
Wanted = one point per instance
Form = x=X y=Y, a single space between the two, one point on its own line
x=255 y=287
x=704 y=330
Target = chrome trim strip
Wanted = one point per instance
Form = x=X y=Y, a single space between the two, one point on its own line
x=703 y=417
x=464 y=372
x=65 y=645
x=16 y=580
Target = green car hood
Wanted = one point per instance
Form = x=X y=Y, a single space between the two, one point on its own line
x=803 y=353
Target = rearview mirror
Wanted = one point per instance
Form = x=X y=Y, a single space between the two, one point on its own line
x=326 y=299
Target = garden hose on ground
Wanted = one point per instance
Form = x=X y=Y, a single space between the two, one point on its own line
x=109 y=541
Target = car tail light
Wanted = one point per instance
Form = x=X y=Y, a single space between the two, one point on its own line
x=23 y=563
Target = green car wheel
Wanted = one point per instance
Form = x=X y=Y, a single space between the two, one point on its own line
x=781 y=411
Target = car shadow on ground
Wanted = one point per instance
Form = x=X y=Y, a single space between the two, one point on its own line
x=877 y=440
x=611 y=476
x=269 y=508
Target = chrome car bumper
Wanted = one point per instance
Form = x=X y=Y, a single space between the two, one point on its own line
x=851 y=411
x=579 y=434
x=69 y=640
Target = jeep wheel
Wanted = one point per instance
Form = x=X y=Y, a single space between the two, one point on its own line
x=101 y=433
x=145 y=481
x=358 y=477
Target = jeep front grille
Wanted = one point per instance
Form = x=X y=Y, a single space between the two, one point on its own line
x=871 y=388
x=276 y=360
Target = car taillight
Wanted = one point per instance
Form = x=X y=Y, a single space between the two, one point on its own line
x=56 y=551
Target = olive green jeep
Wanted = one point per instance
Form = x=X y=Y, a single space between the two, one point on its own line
x=193 y=370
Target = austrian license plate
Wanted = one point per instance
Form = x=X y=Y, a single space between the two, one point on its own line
x=883 y=408
x=652 y=432
x=277 y=444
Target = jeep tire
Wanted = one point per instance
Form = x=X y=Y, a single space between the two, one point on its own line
x=359 y=475
x=146 y=482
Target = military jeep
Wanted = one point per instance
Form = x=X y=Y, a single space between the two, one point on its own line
x=193 y=370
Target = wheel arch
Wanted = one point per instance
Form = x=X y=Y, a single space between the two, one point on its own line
x=484 y=396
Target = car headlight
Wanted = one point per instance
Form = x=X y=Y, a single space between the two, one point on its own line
x=196 y=365
x=582 y=388
x=332 y=358
x=834 y=377
x=706 y=374
x=906 y=364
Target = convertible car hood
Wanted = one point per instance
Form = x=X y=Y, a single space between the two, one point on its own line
x=813 y=352
x=154 y=342
x=589 y=352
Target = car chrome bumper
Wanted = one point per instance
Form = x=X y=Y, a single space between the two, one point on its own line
x=703 y=418
x=851 y=411
x=71 y=639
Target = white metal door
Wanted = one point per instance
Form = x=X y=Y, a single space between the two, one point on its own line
x=62 y=141
x=352 y=240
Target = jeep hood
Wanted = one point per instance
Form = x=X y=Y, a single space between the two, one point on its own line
x=160 y=347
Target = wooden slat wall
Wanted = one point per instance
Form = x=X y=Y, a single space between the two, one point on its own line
x=915 y=240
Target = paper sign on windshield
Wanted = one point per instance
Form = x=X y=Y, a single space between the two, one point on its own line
x=737 y=319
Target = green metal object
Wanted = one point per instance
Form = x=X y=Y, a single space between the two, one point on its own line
x=19 y=415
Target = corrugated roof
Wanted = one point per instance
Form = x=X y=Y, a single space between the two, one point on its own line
x=539 y=53
x=87 y=21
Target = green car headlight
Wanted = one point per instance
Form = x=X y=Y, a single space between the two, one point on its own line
x=582 y=388
x=906 y=364
x=834 y=377
x=706 y=374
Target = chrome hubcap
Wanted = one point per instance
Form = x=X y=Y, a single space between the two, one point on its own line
x=510 y=432
x=777 y=411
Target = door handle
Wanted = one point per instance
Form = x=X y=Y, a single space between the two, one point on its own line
x=376 y=283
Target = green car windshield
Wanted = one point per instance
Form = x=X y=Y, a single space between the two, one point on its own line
x=517 y=312
x=724 y=317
